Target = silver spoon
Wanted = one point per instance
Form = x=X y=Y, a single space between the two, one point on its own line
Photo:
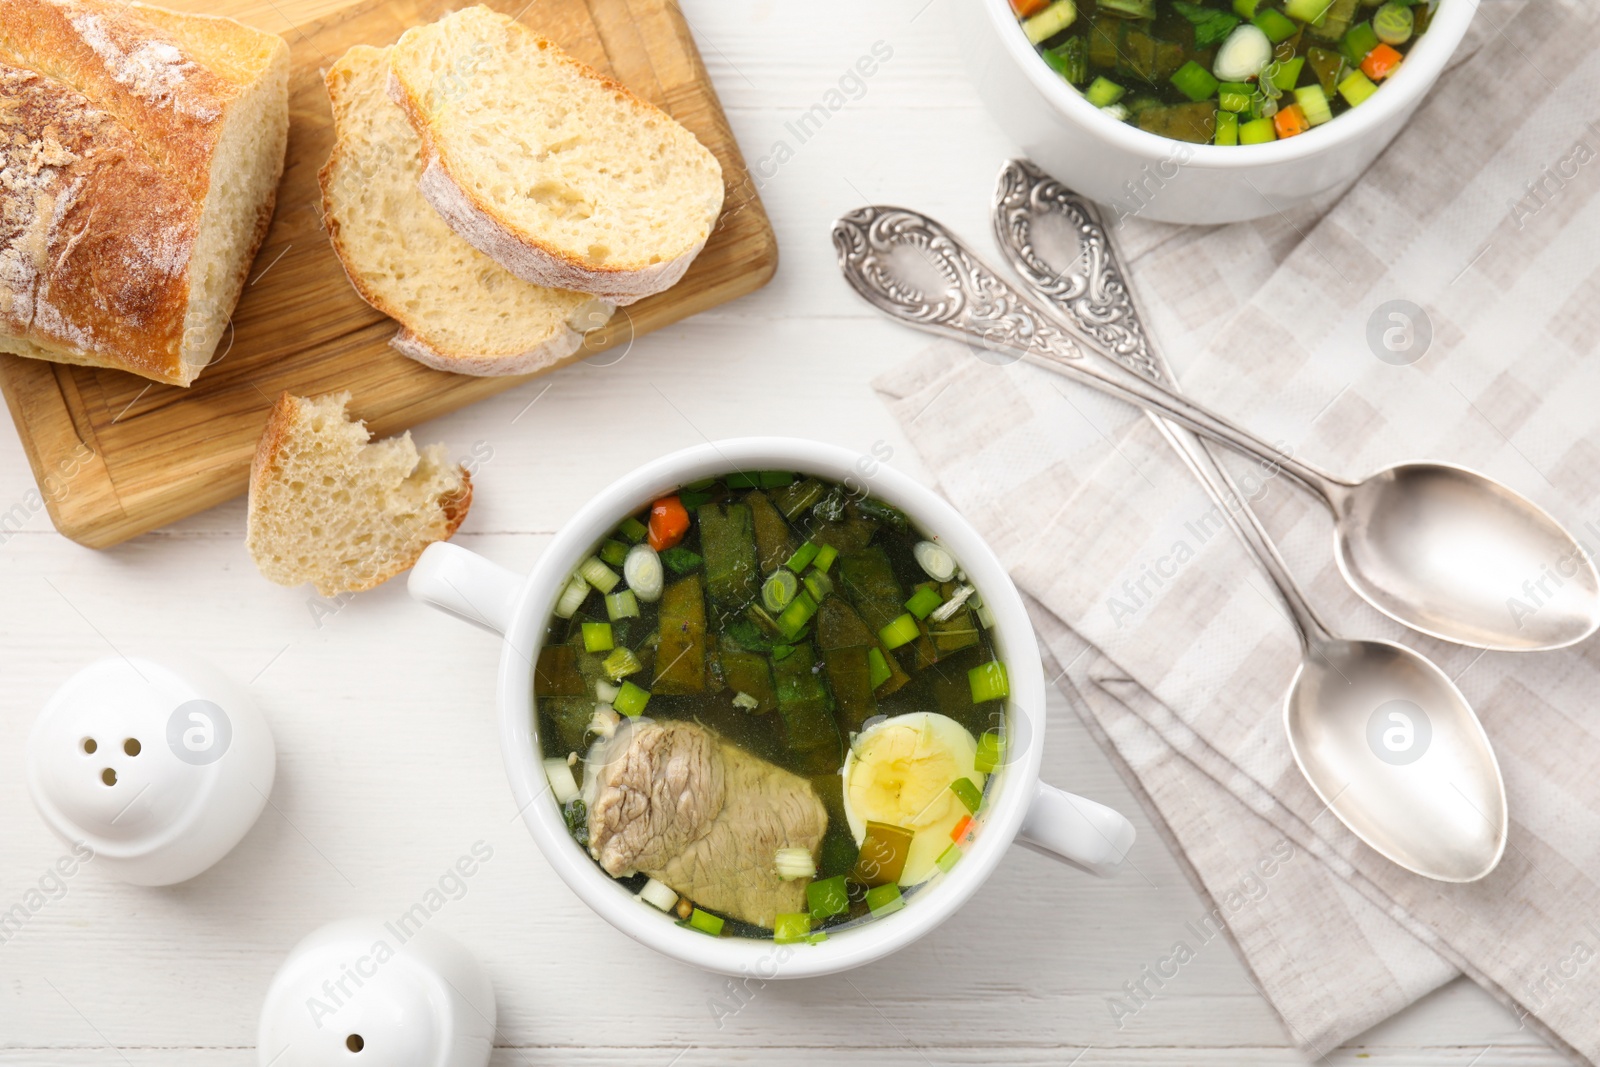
x=1428 y=798
x=1440 y=548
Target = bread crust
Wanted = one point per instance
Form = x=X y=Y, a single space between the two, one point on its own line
x=95 y=247
x=523 y=254
x=527 y=258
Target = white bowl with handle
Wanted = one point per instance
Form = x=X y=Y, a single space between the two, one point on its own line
x=1023 y=810
x=1141 y=174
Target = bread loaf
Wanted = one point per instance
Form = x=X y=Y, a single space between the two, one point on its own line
x=561 y=175
x=458 y=309
x=140 y=153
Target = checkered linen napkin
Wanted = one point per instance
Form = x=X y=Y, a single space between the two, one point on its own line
x=1486 y=214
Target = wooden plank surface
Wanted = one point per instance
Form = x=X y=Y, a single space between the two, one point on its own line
x=383 y=710
x=116 y=455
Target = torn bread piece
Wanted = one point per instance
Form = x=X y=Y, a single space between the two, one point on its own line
x=331 y=507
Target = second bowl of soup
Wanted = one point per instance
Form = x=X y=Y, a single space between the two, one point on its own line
x=770 y=707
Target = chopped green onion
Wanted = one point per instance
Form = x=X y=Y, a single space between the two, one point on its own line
x=886 y=899
x=936 y=562
x=949 y=858
x=1051 y=21
x=923 y=601
x=644 y=574
x=1234 y=96
x=780 y=589
x=1286 y=75
x=802 y=556
x=827 y=897
x=598 y=574
x=792 y=863
x=791 y=928
x=658 y=894
x=1135 y=9
x=1314 y=102
x=1195 y=81
x=901 y=631
x=597 y=637
x=1257 y=131
x=614 y=552
x=878 y=670
x=989 y=682
x=705 y=922
x=1357 y=41
x=819 y=585
x=605 y=692
x=1227 y=128
x=744 y=700
x=633 y=529
x=1393 y=23
x=825 y=557
x=1357 y=88
x=1312 y=11
x=1246 y=9
x=563 y=786
x=794 y=618
x=1275 y=24
x=680 y=560
x=620 y=663
x=1102 y=92
x=572 y=597
x=631 y=700
x=622 y=605
x=969 y=793
x=991 y=746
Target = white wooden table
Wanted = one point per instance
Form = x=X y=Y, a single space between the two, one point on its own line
x=383 y=710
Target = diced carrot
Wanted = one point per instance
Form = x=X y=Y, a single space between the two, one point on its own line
x=1028 y=8
x=1381 y=62
x=961 y=828
x=1290 y=121
x=669 y=521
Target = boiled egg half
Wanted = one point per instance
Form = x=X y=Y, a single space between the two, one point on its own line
x=899 y=771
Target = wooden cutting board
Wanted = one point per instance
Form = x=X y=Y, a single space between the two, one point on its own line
x=116 y=455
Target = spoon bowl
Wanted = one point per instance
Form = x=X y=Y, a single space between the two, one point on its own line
x=1450 y=553
x=1377 y=729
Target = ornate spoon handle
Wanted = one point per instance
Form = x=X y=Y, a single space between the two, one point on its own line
x=1093 y=292
x=912 y=268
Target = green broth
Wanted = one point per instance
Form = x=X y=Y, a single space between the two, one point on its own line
x=788 y=684
x=1225 y=72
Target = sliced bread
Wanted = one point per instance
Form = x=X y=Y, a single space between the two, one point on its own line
x=458 y=309
x=330 y=508
x=561 y=175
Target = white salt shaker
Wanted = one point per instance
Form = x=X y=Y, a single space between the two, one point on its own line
x=363 y=991
x=158 y=772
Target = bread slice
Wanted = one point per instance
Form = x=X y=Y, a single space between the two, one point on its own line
x=561 y=175
x=458 y=309
x=140 y=153
x=330 y=508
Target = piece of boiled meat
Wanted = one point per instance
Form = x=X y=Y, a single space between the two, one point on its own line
x=677 y=802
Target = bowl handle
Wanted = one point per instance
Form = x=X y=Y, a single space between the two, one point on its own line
x=1084 y=833
x=466 y=585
